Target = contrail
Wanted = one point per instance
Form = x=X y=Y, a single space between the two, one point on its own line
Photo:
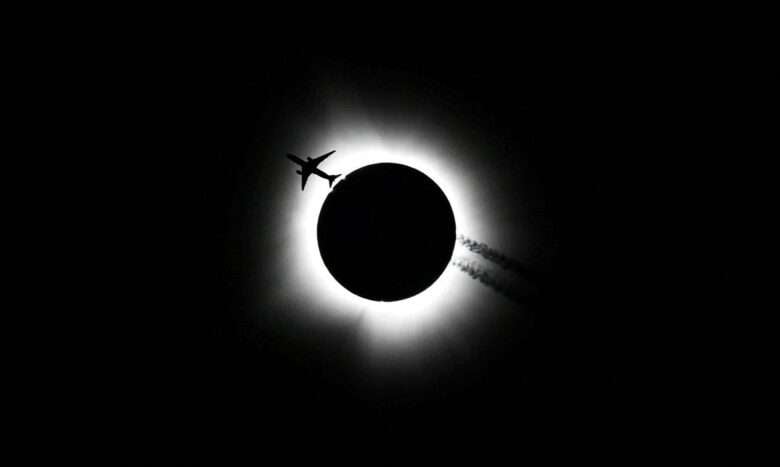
x=476 y=272
x=499 y=259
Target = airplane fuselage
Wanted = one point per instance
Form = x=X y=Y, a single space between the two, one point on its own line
x=309 y=166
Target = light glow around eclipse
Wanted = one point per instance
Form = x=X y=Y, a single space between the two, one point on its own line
x=383 y=325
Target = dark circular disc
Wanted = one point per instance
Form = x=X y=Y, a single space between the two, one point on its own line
x=386 y=232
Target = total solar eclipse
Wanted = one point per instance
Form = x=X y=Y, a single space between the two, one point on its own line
x=386 y=232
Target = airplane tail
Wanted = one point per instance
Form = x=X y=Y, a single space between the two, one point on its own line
x=332 y=178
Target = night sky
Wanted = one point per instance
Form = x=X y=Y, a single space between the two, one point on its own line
x=539 y=152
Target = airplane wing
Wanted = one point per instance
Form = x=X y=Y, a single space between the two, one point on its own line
x=304 y=177
x=317 y=160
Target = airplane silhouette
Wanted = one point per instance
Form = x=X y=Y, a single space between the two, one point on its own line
x=309 y=166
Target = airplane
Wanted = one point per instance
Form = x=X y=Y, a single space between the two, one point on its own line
x=309 y=166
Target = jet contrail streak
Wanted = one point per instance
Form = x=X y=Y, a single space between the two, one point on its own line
x=498 y=258
x=476 y=272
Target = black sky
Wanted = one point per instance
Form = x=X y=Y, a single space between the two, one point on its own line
x=570 y=119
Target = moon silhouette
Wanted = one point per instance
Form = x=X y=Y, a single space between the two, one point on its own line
x=386 y=232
